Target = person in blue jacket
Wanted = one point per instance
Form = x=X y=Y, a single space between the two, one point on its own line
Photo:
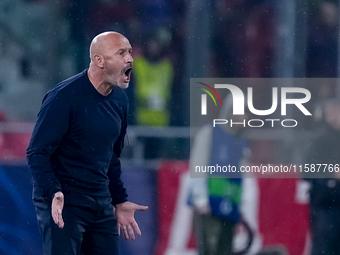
x=80 y=201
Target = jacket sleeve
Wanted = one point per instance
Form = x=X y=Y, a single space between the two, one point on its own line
x=52 y=124
x=116 y=186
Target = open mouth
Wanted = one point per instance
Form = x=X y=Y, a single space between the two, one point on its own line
x=127 y=73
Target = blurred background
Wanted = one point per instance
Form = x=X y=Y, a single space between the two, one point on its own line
x=43 y=42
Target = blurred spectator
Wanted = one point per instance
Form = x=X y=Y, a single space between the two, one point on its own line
x=216 y=201
x=153 y=80
x=325 y=190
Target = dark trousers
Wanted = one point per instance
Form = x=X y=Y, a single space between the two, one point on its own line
x=214 y=235
x=90 y=226
x=325 y=227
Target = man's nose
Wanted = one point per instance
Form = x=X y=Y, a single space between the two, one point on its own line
x=129 y=58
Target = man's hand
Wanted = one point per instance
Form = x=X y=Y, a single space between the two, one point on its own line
x=57 y=209
x=126 y=220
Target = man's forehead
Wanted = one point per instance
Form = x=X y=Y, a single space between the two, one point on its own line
x=122 y=43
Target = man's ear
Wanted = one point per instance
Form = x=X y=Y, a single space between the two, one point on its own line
x=98 y=60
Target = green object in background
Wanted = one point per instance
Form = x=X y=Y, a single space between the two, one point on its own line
x=152 y=91
x=224 y=187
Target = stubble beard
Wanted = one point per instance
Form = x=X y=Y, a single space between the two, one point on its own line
x=113 y=77
x=124 y=85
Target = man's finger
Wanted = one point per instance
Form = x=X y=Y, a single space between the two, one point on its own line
x=126 y=235
x=136 y=228
x=55 y=218
x=131 y=233
x=118 y=225
x=61 y=224
x=60 y=219
x=141 y=208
